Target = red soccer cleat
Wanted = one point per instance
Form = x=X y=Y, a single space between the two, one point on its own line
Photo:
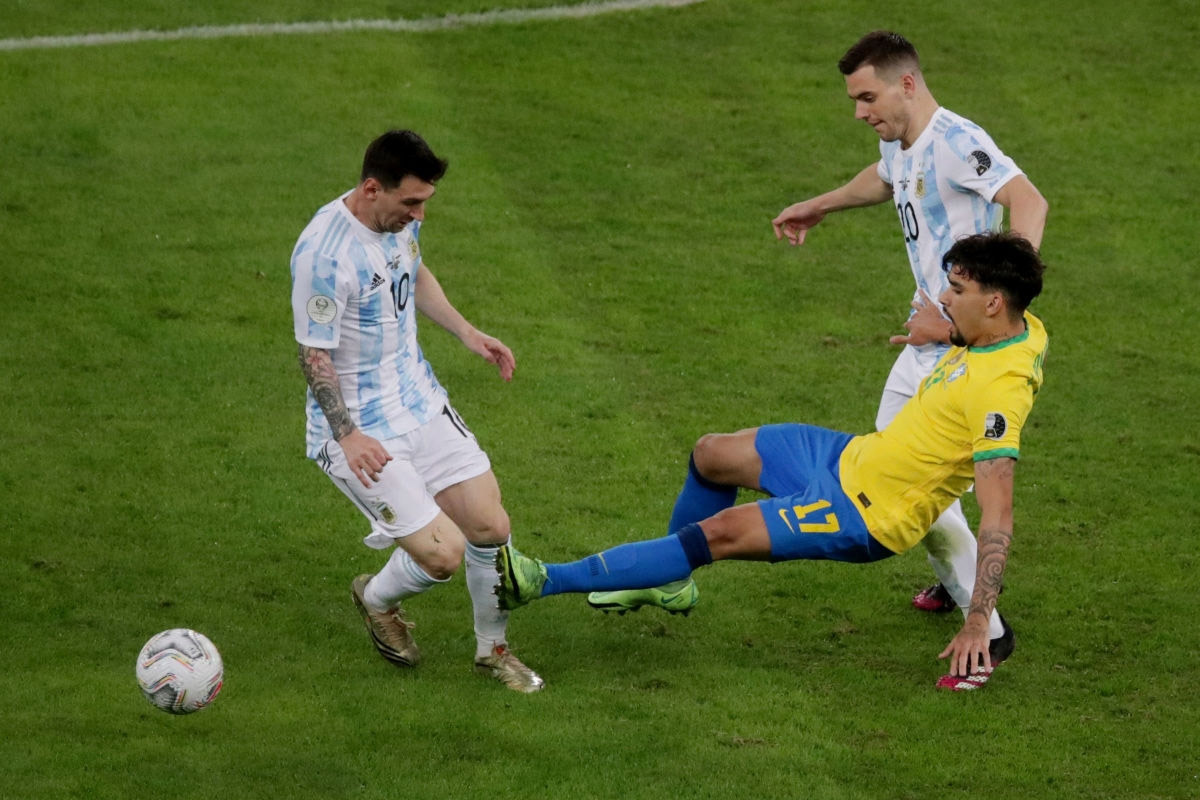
x=935 y=600
x=999 y=649
x=958 y=683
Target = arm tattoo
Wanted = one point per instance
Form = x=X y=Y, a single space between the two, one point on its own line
x=322 y=379
x=989 y=577
x=994 y=541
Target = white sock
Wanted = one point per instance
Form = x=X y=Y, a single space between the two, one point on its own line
x=491 y=623
x=400 y=577
x=953 y=553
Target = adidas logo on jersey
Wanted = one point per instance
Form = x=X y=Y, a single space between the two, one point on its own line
x=377 y=281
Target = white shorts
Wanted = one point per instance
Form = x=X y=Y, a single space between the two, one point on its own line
x=435 y=456
x=912 y=366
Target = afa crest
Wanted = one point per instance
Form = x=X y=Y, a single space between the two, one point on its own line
x=386 y=512
x=919 y=190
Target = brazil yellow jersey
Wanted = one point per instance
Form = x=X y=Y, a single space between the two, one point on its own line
x=970 y=408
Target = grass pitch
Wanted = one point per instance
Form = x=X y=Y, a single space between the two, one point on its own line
x=607 y=214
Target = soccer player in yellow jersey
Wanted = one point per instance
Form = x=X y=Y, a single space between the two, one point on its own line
x=864 y=498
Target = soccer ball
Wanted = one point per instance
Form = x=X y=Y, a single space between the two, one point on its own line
x=180 y=671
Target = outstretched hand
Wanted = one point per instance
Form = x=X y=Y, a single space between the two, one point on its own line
x=795 y=220
x=968 y=651
x=493 y=351
x=925 y=325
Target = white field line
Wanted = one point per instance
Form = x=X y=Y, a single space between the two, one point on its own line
x=450 y=21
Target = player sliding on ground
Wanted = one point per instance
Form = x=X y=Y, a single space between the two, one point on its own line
x=862 y=498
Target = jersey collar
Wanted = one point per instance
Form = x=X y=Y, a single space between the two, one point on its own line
x=991 y=348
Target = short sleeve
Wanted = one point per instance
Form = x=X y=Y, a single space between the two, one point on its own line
x=972 y=162
x=884 y=169
x=318 y=300
x=996 y=414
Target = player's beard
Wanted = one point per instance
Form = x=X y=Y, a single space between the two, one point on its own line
x=956 y=337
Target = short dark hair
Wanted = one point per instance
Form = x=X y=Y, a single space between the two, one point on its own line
x=999 y=262
x=398 y=153
x=883 y=50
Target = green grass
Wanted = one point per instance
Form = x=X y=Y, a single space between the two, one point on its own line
x=607 y=214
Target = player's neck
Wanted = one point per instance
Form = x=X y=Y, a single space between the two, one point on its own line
x=1000 y=333
x=356 y=205
x=924 y=107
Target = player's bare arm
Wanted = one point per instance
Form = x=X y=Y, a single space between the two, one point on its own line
x=317 y=365
x=365 y=455
x=864 y=189
x=1027 y=209
x=432 y=302
x=994 y=490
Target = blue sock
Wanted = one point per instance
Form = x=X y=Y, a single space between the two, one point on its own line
x=638 y=565
x=699 y=499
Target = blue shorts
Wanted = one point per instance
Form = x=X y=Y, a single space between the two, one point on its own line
x=808 y=515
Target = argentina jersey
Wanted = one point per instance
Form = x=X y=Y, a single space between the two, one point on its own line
x=353 y=295
x=943 y=187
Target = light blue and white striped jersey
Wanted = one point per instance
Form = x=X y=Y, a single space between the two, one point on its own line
x=943 y=187
x=352 y=294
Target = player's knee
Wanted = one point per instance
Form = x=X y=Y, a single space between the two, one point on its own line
x=727 y=459
x=724 y=535
x=707 y=455
x=493 y=527
x=439 y=548
x=444 y=561
x=737 y=532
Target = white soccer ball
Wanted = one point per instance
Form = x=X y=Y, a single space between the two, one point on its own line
x=180 y=671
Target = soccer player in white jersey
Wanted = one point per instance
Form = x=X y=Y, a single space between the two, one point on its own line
x=948 y=180
x=379 y=423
